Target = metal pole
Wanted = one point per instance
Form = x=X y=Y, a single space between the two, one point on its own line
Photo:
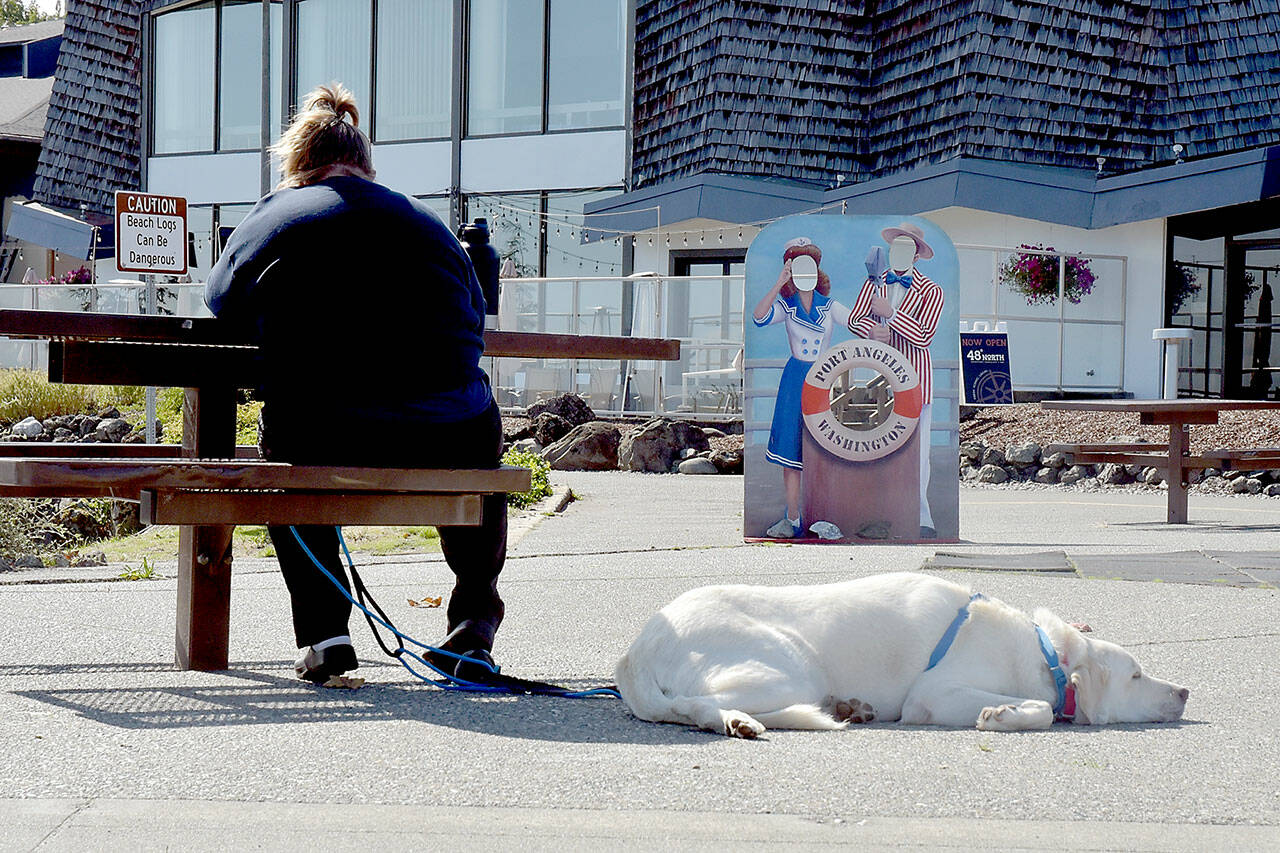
x=150 y=407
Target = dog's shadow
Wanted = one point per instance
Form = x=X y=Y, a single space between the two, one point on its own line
x=252 y=693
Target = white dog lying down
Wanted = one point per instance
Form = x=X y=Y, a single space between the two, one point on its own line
x=735 y=659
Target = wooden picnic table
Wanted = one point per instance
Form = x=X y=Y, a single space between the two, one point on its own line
x=208 y=360
x=1174 y=456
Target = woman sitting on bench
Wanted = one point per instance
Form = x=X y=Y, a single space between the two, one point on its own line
x=370 y=321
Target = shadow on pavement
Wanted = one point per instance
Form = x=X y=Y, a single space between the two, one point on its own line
x=255 y=697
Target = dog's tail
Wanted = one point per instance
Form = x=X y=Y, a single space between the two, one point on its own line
x=799 y=717
x=641 y=692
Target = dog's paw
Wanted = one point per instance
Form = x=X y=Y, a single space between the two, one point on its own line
x=738 y=724
x=853 y=711
x=1031 y=714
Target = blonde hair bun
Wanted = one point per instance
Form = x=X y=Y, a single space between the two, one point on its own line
x=334 y=98
x=319 y=139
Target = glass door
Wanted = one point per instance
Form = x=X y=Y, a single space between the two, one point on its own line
x=1251 y=362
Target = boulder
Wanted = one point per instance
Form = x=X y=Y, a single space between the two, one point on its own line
x=1054 y=460
x=712 y=432
x=5 y=565
x=28 y=428
x=125 y=518
x=587 y=447
x=112 y=429
x=527 y=445
x=992 y=474
x=971 y=451
x=657 y=444
x=571 y=407
x=1246 y=485
x=991 y=456
x=1112 y=474
x=1047 y=476
x=87 y=424
x=29 y=561
x=698 y=465
x=1272 y=491
x=89 y=558
x=1152 y=476
x=1022 y=454
x=548 y=428
x=1074 y=474
x=727 y=461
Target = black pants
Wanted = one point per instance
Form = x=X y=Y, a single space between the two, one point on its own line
x=475 y=554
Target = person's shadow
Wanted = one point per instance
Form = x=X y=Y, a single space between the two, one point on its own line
x=251 y=692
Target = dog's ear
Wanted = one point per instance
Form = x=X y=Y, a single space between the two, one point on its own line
x=1090 y=683
x=1071 y=645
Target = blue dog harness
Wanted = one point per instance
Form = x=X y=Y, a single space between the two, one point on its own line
x=1061 y=710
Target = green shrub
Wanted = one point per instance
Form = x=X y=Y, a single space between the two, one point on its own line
x=247 y=422
x=541 y=486
x=25 y=392
x=169 y=413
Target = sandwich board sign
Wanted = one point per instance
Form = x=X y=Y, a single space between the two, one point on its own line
x=151 y=233
x=984 y=364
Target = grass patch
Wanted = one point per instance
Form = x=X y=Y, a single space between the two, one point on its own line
x=252 y=541
x=145 y=572
x=25 y=392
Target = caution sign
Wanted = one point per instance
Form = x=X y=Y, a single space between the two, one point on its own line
x=151 y=233
x=984 y=363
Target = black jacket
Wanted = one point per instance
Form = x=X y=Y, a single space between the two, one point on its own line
x=359 y=294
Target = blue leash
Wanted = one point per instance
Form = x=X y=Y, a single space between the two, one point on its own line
x=500 y=684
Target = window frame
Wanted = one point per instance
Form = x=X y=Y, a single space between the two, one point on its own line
x=544 y=124
x=177 y=8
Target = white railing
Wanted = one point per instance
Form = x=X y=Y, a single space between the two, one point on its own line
x=116 y=297
x=1058 y=346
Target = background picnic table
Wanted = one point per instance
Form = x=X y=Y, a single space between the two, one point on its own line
x=1001 y=426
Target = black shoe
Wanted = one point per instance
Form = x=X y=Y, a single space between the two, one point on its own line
x=319 y=666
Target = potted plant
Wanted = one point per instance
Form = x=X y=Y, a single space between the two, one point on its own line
x=1184 y=285
x=1035 y=276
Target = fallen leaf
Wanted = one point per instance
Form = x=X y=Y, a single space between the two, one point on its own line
x=343 y=682
x=427 y=601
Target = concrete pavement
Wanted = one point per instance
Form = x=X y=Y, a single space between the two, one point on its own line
x=107 y=746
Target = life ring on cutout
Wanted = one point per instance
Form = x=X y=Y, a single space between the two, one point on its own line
x=862 y=445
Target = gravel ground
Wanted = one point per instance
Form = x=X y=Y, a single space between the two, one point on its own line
x=1000 y=426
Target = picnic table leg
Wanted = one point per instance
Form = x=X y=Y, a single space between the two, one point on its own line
x=1179 y=445
x=204 y=552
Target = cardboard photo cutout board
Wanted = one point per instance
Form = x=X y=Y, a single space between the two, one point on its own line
x=851 y=381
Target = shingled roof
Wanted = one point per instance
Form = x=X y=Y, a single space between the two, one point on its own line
x=820 y=88
x=92 y=136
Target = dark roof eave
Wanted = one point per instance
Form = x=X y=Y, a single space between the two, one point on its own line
x=1048 y=194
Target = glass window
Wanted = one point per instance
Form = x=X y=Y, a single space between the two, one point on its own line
x=415 y=71
x=513 y=228
x=240 y=93
x=587 y=64
x=334 y=38
x=504 y=92
x=567 y=255
x=439 y=204
x=183 y=75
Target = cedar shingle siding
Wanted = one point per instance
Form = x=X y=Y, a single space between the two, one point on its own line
x=92 y=136
x=809 y=89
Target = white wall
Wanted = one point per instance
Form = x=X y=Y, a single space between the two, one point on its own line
x=207 y=178
x=560 y=161
x=1142 y=243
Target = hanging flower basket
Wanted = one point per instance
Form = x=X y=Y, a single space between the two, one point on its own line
x=1035 y=276
x=1184 y=285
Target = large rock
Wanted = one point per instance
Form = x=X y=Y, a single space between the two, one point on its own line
x=548 y=428
x=698 y=465
x=990 y=456
x=992 y=474
x=1022 y=454
x=587 y=447
x=28 y=428
x=728 y=460
x=657 y=444
x=1074 y=474
x=971 y=451
x=571 y=407
x=112 y=429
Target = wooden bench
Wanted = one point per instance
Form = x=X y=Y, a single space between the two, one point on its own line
x=208 y=485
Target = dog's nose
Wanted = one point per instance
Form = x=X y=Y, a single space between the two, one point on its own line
x=1183 y=694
